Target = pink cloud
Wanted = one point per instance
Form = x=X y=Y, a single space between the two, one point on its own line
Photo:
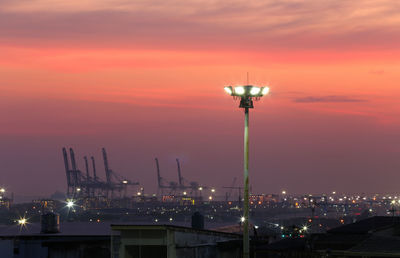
x=198 y=25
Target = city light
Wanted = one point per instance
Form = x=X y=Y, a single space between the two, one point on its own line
x=242 y=219
x=2 y=190
x=200 y=188
x=70 y=204
x=213 y=190
x=22 y=222
x=228 y=89
x=265 y=91
x=255 y=91
x=239 y=90
x=247 y=91
x=125 y=181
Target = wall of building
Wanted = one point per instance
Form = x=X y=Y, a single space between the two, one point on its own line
x=197 y=238
x=7 y=248
x=171 y=243
x=63 y=247
x=29 y=248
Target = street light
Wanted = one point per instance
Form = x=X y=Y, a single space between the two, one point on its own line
x=247 y=94
x=22 y=221
x=70 y=204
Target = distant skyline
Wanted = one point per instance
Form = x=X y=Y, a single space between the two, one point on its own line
x=145 y=79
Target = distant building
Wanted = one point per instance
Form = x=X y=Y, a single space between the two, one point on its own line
x=5 y=203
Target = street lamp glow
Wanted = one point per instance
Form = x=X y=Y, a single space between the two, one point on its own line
x=125 y=181
x=265 y=91
x=70 y=204
x=213 y=190
x=255 y=91
x=228 y=90
x=200 y=188
x=2 y=190
x=242 y=219
x=239 y=90
x=22 y=222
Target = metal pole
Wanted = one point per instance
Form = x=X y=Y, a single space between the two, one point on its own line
x=246 y=242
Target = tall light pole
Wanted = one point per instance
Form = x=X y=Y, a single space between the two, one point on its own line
x=247 y=94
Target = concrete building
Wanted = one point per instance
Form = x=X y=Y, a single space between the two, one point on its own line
x=149 y=241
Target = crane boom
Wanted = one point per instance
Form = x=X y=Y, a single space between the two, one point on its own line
x=66 y=164
x=108 y=172
x=94 y=168
x=159 y=179
x=87 y=167
x=179 y=174
x=72 y=158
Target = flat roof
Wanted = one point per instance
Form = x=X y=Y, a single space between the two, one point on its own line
x=69 y=229
x=66 y=229
x=121 y=227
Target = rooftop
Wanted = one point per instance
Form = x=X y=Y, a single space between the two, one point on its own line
x=66 y=229
x=171 y=227
x=366 y=226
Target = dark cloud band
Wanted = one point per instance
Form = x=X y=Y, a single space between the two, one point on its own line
x=328 y=99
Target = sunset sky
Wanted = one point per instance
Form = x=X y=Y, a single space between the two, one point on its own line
x=145 y=79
